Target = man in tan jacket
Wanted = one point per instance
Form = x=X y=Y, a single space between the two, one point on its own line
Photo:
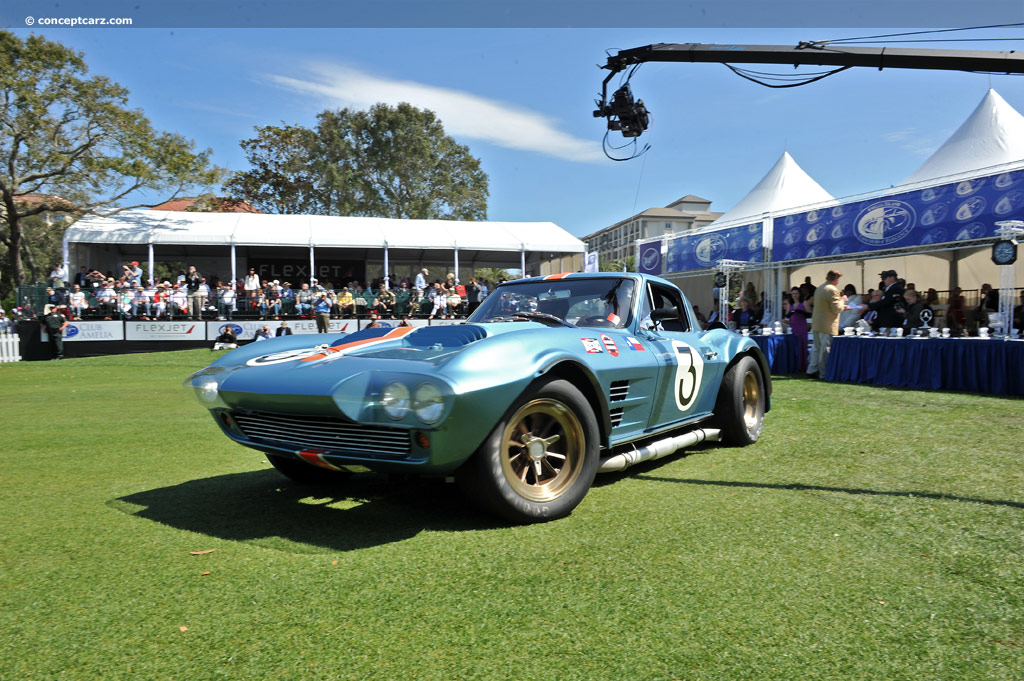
x=828 y=303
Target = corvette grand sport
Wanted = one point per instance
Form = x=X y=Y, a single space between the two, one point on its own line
x=550 y=381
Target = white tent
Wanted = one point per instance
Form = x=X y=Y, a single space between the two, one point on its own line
x=991 y=136
x=141 y=227
x=786 y=186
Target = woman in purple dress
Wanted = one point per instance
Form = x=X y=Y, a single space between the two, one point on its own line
x=798 y=323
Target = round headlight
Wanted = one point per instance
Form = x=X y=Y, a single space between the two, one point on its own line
x=206 y=391
x=428 y=403
x=394 y=400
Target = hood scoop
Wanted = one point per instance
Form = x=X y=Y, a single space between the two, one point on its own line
x=446 y=336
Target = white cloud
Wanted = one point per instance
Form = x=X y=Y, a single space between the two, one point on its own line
x=912 y=140
x=463 y=114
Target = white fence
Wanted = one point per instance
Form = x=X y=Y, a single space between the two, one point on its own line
x=9 y=350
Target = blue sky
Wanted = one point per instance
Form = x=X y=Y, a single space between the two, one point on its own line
x=521 y=99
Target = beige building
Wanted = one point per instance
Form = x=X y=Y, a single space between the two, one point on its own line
x=683 y=215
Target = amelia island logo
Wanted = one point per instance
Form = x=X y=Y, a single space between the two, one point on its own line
x=651 y=258
x=885 y=222
x=710 y=249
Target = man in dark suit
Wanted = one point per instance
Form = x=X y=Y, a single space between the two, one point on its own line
x=888 y=316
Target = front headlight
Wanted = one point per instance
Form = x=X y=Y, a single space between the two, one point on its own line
x=207 y=390
x=428 y=403
x=394 y=400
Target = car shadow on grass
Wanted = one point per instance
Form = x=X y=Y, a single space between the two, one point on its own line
x=262 y=507
x=800 y=487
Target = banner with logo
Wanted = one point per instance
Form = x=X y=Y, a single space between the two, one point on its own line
x=702 y=251
x=92 y=331
x=650 y=258
x=959 y=211
x=165 y=331
x=246 y=330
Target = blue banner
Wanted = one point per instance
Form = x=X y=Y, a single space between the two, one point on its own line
x=702 y=251
x=959 y=211
x=650 y=258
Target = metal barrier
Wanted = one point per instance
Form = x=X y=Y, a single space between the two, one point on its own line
x=10 y=350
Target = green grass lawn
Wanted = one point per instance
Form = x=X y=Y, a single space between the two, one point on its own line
x=870 y=534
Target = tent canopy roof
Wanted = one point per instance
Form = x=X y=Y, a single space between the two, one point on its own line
x=785 y=186
x=257 y=229
x=992 y=135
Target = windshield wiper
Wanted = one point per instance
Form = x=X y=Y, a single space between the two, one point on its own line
x=544 y=318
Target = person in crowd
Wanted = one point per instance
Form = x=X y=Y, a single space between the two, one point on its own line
x=807 y=293
x=871 y=316
x=956 y=316
x=346 y=303
x=931 y=297
x=271 y=304
x=179 y=302
x=225 y=301
x=701 y=319
x=304 y=301
x=204 y=296
x=263 y=333
x=54 y=323
x=82 y=277
x=106 y=299
x=134 y=273
x=6 y=325
x=283 y=330
x=195 y=297
x=420 y=283
x=57 y=298
x=59 y=276
x=314 y=285
x=743 y=316
x=384 y=305
x=988 y=300
x=251 y=285
x=78 y=302
x=287 y=299
x=1018 y=316
x=854 y=308
x=374 y=322
x=828 y=303
x=94 y=280
x=954 y=294
x=322 y=308
x=404 y=322
x=260 y=307
x=140 y=303
x=439 y=301
x=455 y=305
x=227 y=340
x=125 y=301
x=472 y=295
x=892 y=297
x=798 y=316
x=912 y=311
x=159 y=298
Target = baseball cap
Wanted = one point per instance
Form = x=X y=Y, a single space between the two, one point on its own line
x=888 y=273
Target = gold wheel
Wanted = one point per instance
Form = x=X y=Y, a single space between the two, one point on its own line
x=751 y=400
x=542 y=450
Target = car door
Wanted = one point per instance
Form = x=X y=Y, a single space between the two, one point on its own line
x=686 y=362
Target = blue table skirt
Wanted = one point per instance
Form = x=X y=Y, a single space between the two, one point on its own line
x=994 y=367
x=781 y=351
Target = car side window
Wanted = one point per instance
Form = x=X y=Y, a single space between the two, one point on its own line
x=669 y=309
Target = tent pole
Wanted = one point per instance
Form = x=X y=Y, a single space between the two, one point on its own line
x=456 y=264
x=312 y=267
x=522 y=262
x=234 y=268
x=152 y=273
x=387 y=279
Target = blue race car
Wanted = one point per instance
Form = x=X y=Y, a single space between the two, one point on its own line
x=550 y=381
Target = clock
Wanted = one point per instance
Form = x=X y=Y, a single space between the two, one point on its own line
x=1004 y=252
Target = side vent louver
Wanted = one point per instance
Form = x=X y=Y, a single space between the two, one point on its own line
x=618 y=391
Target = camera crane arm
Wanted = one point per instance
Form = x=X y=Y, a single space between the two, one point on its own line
x=631 y=117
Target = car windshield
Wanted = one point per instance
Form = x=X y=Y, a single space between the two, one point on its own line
x=600 y=302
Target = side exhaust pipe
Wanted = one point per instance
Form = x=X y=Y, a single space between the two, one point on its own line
x=657 y=449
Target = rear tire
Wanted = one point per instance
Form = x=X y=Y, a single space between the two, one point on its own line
x=305 y=473
x=540 y=460
x=739 y=411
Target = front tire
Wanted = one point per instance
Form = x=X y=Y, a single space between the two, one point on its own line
x=739 y=411
x=539 y=462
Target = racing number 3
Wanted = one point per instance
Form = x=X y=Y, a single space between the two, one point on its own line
x=689 y=369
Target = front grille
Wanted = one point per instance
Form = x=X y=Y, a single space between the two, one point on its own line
x=618 y=391
x=328 y=433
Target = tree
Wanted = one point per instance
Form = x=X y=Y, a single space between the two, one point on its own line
x=627 y=264
x=392 y=162
x=70 y=146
